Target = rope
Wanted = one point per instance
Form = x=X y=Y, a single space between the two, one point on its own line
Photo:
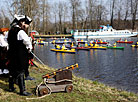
x=44 y=81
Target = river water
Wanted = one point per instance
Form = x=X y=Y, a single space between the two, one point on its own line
x=117 y=68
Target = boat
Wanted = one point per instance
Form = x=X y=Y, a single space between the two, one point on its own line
x=99 y=42
x=98 y=47
x=61 y=42
x=82 y=48
x=128 y=42
x=136 y=46
x=42 y=43
x=81 y=42
x=64 y=51
x=70 y=47
x=104 y=31
x=112 y=47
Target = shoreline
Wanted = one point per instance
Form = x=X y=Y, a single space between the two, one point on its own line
x=84 y=90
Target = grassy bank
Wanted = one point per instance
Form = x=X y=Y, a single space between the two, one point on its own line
x=84 y=90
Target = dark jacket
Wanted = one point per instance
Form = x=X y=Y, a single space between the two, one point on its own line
x=17 y=53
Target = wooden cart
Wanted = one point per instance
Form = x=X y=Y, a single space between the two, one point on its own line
x=57 y=81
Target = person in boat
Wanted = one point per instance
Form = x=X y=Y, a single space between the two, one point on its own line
x=78 y=40
x=42 y=41
x=91 y=44
x=114 y=45
x=57 y=46
x=120 y=39
x=71 y=45
x=81 y=40
x=86 y=45
x=100 y=40
x=54 y=41
x=3 y=50
x=94 y=41
x=79 y=45
x=96 y=45
x=19 y=47
x=63 y=47
x=125 y=40
x=65 y=40
x=136 y=43
x=108 y=44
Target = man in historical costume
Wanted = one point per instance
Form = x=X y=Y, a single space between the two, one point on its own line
x=19 y=46
x=3 y=50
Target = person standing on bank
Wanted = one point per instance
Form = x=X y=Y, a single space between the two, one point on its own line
x=19 y=46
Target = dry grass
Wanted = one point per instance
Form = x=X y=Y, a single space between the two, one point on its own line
x=84 y=90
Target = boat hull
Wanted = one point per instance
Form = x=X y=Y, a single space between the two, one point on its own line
x=41 y=43
x=111 y=47
x=98 y=47
x=102 y=36
x=61 y=42
x=100 y=42
x=128 y=42
x=82 y=48
x=136 y=46
x=63 y=51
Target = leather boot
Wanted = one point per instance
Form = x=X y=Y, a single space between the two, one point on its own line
x=11 y=84
x=21 y=84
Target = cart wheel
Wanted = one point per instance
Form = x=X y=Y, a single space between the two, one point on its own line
x=43 y=90
x=69 y=88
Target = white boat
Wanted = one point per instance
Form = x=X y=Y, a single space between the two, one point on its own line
x=104 y=31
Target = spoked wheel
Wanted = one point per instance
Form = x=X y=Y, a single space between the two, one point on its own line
x=69 y=88
x=43 y=90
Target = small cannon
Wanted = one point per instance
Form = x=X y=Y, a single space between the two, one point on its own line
x=57 y=81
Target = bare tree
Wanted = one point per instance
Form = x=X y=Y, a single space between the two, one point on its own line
x=134 y=8
x=65 y=15
x=126 y=10
x=73 y=14
x=60 y=15
x=112 y=12
x=75 y=4
x=54 y=11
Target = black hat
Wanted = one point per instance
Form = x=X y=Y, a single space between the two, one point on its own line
x=18 y=18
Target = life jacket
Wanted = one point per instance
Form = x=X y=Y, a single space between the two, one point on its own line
x=63 y=47
x=72 y=49
x=126 y=40
x=72 y=44
x=58 y=47
x=91 y=44
x=96 y=45
x=86 y=45
x=114 y=45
